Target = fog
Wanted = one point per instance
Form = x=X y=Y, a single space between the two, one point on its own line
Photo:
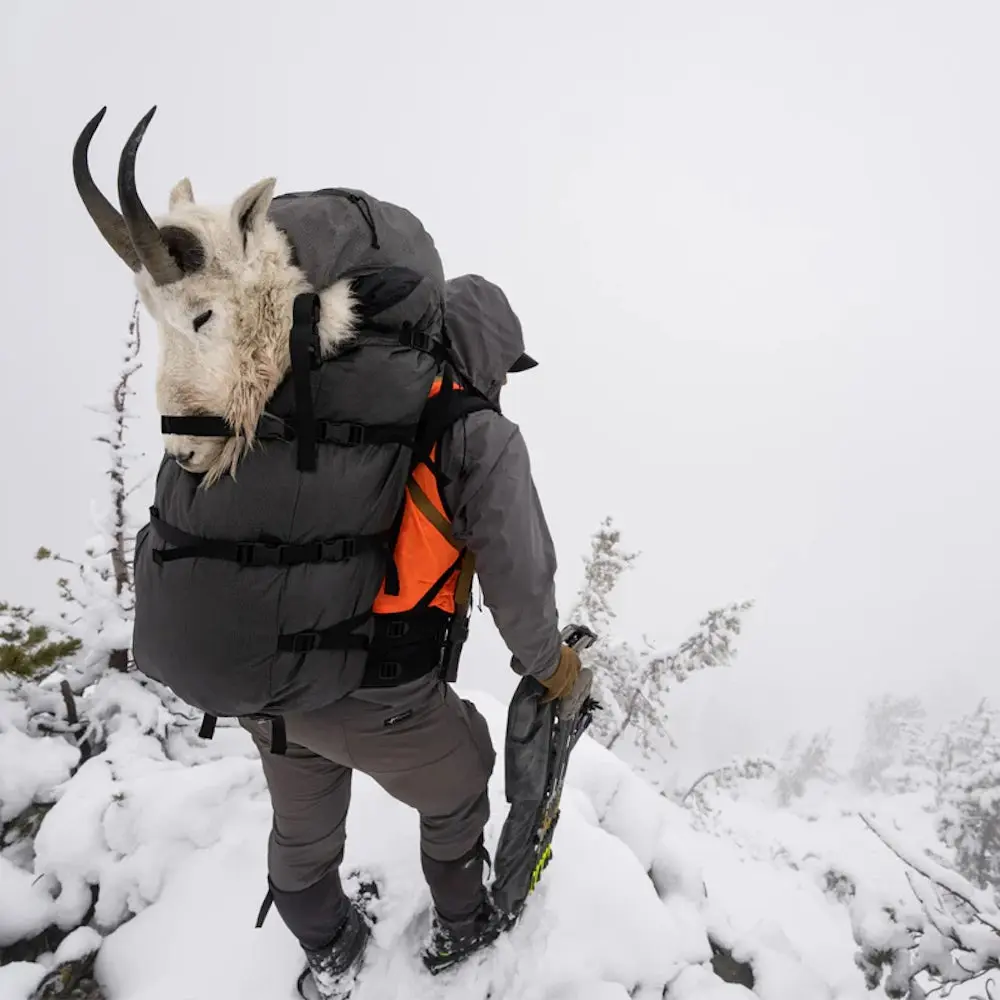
x=754 y=248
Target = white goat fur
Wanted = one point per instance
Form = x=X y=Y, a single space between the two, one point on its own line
x=233 y=363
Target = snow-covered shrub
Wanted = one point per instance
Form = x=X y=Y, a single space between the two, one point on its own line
x=892 y=756
x=27 y=648
x=947 y=934
x=698 y=798
x=632 y=683
x=802 y=764
x=35 y=721
x=968 y=794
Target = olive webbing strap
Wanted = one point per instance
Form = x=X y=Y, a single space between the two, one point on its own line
x=463 y=589
x=467 y=569
x=423 y=503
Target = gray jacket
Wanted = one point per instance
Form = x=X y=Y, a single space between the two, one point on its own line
x=496 y=509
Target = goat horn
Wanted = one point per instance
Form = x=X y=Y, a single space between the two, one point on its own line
x=149 y=244
x=108 y=219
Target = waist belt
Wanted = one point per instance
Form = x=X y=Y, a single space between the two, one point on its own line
x=405 y=647
x=402 y=647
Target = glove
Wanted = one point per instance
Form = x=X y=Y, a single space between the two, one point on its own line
x=564 y=677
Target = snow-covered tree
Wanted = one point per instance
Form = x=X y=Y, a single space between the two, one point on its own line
x=802 y=764
x=649 y=676
x=951 y=936
x=727 y=778
x=610 y=658
x=968 y=794
x=603 y=568
x=28 y=649
x=74 y=716
x=98 y=596
x=891 y=757
x=631 y=684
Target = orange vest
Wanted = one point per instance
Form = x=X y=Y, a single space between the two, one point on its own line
x=426 y=551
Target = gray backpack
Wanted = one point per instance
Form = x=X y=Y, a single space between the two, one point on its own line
x=254 y=597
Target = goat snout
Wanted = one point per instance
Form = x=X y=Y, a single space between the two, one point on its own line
x=194 y=455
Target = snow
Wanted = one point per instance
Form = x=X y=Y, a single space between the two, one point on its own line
x=19 y=979
x=636 y=894
x=13 y=711
x=29 y=768
x=126 y=817
x=27 y=909
x=596 y=926
x=695 y=983
x=82 y=942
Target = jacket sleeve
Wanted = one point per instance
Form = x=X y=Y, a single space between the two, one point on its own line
x=496 y=511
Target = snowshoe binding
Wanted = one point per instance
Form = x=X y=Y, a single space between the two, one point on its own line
x=331 y=973
x=451 y=943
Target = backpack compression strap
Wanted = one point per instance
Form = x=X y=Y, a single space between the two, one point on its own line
x=260 y=553
x=271 y=427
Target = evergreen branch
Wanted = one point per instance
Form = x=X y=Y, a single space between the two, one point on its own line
x=949 y=880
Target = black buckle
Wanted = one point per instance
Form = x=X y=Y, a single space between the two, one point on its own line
x=396 y=628
x=416 y=339
x=259 y=553
x=338 y=549
x=389 y=670
x=303 y=642
x=331 y=432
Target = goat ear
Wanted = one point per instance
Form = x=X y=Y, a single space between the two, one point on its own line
x=182 y=194
x=251 y=206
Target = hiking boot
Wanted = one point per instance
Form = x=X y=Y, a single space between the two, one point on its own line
x=334 y=969
x=452 y=942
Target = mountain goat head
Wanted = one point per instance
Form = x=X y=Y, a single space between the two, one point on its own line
x=220 y=283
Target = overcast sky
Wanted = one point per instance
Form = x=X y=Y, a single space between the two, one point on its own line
x=754 y=246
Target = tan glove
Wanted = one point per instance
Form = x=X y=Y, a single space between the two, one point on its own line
x=562 y=680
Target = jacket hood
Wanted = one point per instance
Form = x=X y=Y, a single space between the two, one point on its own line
x=484 y=331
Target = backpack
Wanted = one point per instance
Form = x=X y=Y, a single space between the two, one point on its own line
x=279 y=589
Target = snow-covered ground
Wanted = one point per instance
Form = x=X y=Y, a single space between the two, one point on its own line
x=636 y=889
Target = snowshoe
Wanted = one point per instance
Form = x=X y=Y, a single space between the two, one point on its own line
x=331 y=973
x=540 y=738
x=452 y=943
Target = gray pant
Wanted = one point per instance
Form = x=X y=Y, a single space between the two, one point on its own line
x=426 y=747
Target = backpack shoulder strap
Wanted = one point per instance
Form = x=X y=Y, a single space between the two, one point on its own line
x=441 y=411
x=451 y=404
